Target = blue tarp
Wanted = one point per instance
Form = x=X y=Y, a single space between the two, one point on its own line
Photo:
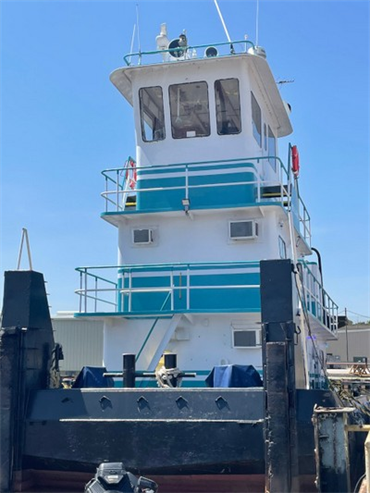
x=234 y=376
x=92 y=376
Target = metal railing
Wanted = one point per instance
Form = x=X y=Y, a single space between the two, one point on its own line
x=188 y=52
x=105 y=295
x=117 y=192
x=316 y=299
x=115 y=295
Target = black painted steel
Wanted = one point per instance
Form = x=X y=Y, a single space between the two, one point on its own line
x=281 y=447
x=128 y=370
x=26 y=344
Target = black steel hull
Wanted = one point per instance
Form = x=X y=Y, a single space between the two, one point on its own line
x=157 y=431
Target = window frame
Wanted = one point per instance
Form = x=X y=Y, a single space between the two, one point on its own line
x=217 y=113
x=142 y=118
x=255 y=106
x=170 y=88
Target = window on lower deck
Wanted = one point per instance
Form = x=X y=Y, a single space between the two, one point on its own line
x=227 y=106
x=152 y=114
x=189 y=109
x=256 y=120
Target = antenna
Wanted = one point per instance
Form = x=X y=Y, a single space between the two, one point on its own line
x=24 y=236
x=138 y=30
x=257 y=20
x=132 y=43
x=223 y=22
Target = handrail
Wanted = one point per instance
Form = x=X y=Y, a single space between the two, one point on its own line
x=183 y=169
x=185 y=49
x=197 y=163
x=316 y=299
x=314 y=292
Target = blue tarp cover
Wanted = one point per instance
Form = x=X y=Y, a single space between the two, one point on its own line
x=92 y=376
x=234 y=376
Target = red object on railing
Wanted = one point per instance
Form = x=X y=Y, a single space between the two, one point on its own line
x=295 y=161
x=131 y=174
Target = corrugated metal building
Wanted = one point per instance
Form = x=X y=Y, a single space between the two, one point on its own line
x=353 y=342
x=82 y=342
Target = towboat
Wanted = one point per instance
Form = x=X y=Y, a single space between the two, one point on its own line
x=215 y=316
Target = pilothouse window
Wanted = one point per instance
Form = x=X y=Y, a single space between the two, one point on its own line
x=256 y=120
x=227 y=106
x=189 y=110
x=152 y=114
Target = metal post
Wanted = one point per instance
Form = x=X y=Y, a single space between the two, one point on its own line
x=281 y=447
x=129 y=369
x=170 y=362
x=331 y=449
x=367 y=462
x=347 y=349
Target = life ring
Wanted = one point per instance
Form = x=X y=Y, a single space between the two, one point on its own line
x=295 y=161
x=131 y=173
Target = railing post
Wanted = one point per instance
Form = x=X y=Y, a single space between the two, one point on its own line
x=85 y=290
x=186 y=182
x=117 y=190
x=187 y=288
x=106 y=194
x=80 y=304
x=129 y=291
x=172 y=290
x=96 y=295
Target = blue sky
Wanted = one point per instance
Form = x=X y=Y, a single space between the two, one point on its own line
x=63 y=122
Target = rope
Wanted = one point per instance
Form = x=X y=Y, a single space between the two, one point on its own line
x=165 y=377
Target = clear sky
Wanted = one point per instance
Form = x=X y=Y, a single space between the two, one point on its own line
x=63 y=122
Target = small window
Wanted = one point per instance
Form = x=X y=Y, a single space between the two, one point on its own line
x=189 y=110
x=152 y=114
x=227 y=106
x=272 y=148
x=256 y=120
x=265 y=136
x=282 y=248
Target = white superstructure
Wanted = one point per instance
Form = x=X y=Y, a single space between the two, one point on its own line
x=204 y=200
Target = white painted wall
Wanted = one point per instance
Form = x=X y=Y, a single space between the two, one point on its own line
x=205 y=238
x=201 y=344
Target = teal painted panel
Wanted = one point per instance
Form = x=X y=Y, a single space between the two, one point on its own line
x=243 y=300
x=203 y=197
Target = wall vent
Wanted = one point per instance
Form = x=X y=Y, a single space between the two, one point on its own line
x=243 y=230
x=142 y=236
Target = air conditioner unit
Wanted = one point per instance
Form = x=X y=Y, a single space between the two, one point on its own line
x=247 y=338
x=243 y=230
x=142 y=236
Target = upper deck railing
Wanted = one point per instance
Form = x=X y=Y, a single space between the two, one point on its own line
x=206 y=185
x=187 y=52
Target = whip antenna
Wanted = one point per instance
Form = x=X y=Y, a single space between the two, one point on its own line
x=138 y=30
x=132 y=42
x=224 y=26
x=223 y=22
x=257 y=19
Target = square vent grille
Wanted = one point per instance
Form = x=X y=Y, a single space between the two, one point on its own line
x=142 y=236
x=243 y=230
